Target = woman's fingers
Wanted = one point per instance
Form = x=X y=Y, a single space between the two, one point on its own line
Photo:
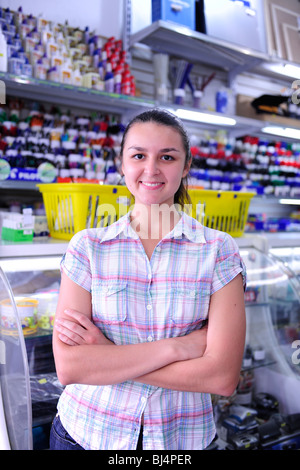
x=79 y=329
x=82 y=319
x=70 y=330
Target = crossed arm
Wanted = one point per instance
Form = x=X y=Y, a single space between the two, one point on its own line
x=206 y=360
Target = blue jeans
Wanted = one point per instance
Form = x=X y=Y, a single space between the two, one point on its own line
x=60 y=439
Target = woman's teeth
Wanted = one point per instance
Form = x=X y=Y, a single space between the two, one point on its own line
x=151 y=184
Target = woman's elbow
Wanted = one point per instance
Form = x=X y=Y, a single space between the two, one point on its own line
x=226 y=385
x=64 y=377
x=64 y=369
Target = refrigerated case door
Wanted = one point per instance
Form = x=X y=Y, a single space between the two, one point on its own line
x=38 y=278
x=15 y=398
x=273 y=326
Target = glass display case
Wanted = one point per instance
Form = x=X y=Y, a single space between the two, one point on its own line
x=273 y=327
x=29 y=290
x=15 y=397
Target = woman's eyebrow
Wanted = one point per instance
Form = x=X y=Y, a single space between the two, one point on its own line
x=142 y=149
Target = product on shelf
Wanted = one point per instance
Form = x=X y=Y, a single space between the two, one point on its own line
x=47 y=302
x=36 y=47
x=46 y=146
x=18 y=227
x=247 y=164
x=27 y=313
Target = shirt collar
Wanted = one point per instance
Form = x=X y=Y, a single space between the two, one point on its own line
x=190 y=228
x=186 y=226
x=121 y=226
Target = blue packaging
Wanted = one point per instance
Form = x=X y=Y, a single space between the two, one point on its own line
x=177 y=11
x=221 y=101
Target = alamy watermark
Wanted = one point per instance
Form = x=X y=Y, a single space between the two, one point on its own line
x=163 y=213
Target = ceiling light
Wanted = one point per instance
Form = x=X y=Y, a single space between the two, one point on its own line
x=288 y=70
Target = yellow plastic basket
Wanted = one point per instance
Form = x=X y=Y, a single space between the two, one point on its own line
x=71 y=207
x=222 y=210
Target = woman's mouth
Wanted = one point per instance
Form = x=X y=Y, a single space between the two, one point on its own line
x=152 y=185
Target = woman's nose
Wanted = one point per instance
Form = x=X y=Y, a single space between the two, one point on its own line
x=152 y=167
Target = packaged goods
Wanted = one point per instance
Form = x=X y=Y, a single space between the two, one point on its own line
x=39 y=48
x=27 y=313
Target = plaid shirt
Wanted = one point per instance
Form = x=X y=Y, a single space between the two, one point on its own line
x=137 y=300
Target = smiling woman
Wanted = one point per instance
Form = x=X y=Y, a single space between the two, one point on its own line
x=150 y=319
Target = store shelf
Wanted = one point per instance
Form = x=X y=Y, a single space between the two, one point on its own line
x=87 y=99
x=38 y=247
x=182 y=42
x=17 y=184
x=69 y=95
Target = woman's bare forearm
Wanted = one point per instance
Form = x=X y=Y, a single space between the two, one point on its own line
x=108 y=364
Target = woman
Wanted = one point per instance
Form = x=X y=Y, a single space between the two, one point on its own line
x=128 y=340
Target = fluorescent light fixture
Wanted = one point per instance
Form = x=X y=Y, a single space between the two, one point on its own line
x=282 y=131
x=198 y=116
x=288 y=70
x=295 y=202
x=291 y=70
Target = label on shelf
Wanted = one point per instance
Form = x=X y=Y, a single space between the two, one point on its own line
x=44 y=173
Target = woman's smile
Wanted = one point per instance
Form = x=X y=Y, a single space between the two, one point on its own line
x=152 y=185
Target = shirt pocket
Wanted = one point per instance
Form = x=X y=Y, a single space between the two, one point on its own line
x=190 y=303
x=109 y=301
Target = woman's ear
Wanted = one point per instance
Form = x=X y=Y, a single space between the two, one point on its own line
x=187 y=168
x=119 y=164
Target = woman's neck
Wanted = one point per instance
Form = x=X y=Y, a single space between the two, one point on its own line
x=153 y=222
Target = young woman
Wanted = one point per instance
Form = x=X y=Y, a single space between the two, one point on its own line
x=130 y=341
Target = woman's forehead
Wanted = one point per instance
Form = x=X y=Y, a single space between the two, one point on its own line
x=147 y=131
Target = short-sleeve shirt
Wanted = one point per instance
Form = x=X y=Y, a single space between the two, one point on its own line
x=135 y=300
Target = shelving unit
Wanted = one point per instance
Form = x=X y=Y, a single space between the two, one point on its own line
x=125 y=106
x=181 y=42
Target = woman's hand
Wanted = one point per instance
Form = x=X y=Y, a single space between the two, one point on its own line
x=79 y=330
x=193 y=345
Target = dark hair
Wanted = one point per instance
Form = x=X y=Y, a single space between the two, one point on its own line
x=165 y=118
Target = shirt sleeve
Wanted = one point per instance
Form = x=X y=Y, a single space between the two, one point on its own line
x=228 y=264
x=75 y=262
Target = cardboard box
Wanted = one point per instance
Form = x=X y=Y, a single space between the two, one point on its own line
x=177 y=11
x=244 y=108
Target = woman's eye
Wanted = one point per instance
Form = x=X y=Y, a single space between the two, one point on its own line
x=138 y=156
x=167 y=157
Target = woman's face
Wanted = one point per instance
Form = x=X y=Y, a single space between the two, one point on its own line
x=153 y=163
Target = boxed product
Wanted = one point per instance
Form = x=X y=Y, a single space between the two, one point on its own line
x=178 y=11
x=18 y=227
